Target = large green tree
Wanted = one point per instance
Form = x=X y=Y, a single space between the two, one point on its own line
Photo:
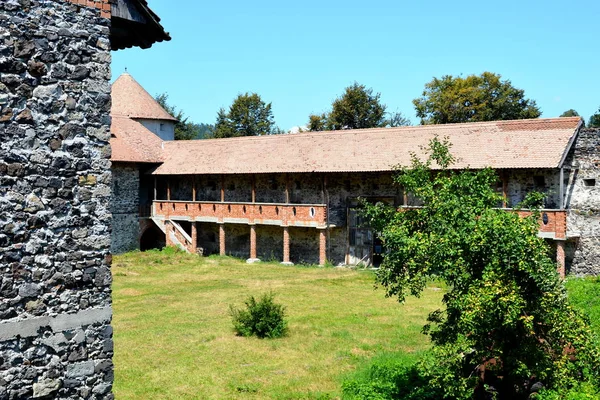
x=507 y=326
x=248 y=115
x=484 y=97
x=594 y=121
x=184 y=129
x=357 y=108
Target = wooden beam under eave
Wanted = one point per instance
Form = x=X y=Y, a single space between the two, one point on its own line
x=155 y=188
x=222 y=188
x=287 y=189
x=194 y=188
x=168 y=189
x=126 y=9
x=323 y=188
x=504 y=189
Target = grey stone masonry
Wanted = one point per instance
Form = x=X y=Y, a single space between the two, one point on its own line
x=583 y=202
x=55 y=185
x=125 y=207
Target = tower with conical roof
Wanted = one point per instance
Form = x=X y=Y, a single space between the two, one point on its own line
x=131 y=100
x=139 y=128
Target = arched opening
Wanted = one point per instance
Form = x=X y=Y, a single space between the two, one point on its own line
x=152 y=238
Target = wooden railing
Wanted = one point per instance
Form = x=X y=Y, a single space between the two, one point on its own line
x=173 y=228
x=302 y=215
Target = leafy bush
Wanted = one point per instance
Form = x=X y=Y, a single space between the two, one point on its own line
x=583 y=391
x=263 y=318
x=390 y=377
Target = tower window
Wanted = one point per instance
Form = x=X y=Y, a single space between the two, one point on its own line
x=589 y=182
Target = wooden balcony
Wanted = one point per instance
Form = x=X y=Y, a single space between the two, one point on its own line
x=300 y=215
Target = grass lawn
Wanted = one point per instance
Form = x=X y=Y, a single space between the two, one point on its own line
x=174 y=338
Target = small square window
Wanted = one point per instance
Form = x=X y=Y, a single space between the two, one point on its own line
x=539 y=181
x=162 y=127
x=589 y=182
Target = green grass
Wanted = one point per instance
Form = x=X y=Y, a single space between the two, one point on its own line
x=174 y=337
x=584 y=294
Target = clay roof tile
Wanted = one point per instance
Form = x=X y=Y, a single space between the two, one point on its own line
x=130 y=99
x=535 y=143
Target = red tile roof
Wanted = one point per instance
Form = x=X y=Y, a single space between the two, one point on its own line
x=536 y=143
x=131 y=142
x=130 y=99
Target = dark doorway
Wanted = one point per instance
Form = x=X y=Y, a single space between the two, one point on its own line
x=152 y=238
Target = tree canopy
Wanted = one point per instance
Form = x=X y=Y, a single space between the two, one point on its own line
x=357 y=108
x=474 y=98
x=570 y=113
x=184 y=129
x=248 y=115
x=594 y=121
x=507 y=326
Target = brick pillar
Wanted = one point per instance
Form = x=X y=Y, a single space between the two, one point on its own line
x=253 y=258
x=168 y=233
x=286 y=246
x=322 y=246
x=560 y=257
x=194 y=247
x=560 y=224
x=222 y=239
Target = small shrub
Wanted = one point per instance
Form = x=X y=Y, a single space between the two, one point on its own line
x=263 y=318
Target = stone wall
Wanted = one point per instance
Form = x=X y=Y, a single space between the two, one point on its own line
x=125 y=207
x=522 y=182
x=583 y=202
x=55 y=306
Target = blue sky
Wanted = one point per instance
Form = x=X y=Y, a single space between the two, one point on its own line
x=300 y=55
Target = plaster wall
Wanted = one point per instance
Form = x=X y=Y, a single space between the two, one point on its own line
x=161 y=128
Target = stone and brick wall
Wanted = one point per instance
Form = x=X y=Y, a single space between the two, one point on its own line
x=125 y=207
x=103 y=6
x=55 y=306
x=583 y=202
x=339 y=191
x=521 y=182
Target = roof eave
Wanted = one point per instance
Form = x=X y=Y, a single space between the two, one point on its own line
x=570 y=144
x=126 y=33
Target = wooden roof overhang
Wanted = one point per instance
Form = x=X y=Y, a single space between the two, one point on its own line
x=134 y=24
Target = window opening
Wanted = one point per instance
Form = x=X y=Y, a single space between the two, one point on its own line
x=589 y=182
